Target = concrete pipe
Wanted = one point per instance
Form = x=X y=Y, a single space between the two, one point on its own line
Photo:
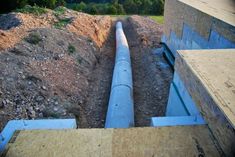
x=120 y=109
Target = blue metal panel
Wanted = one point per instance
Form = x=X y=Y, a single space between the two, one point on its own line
x=176 y=121
x=174 y=43
x=216 y=41
x=175 y=105
x=186 y=98
x=180 y=102
x=191 y=39
x=46 y=124
x=181 y=109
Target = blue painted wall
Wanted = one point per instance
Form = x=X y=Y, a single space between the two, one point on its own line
x=180 y=102
x=192 y=40
x=181 y=109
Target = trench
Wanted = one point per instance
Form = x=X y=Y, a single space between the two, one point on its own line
x=151 y=82
x=93 y=110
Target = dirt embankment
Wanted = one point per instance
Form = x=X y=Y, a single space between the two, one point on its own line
x=60 y=65
x=46 y=72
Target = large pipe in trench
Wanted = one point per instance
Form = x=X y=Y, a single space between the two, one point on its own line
x=120 y=109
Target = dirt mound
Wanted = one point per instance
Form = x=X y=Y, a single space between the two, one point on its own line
x=12 y=33
x=95 y=27
x=59 y=64
x=45 y=71
x=148 y=30
x=15 y=26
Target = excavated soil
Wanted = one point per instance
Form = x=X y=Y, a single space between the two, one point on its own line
x=46 y=72
x=93 y=112
x=151 y=73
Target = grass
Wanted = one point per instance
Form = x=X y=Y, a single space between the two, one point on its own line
x=36 y=10
x=71 y=49
x=119 y=16
x=62 y=23
x=33 y=38
x=158 y=19
x=59 y=11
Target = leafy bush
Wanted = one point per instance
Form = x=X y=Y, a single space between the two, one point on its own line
x=36 y=10
x=62 y=23
x=59 y=11
x=43 y=3
x=98 y=8
x=92 y=9
x=119 y=8
x=112 y=10
x=33 y=38
x=60 y=3
x=71 y=49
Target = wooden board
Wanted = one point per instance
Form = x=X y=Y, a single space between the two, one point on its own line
x=220 y=9
x=133 y=142
x=203 y=17
x=209 y=77
x=216 y=70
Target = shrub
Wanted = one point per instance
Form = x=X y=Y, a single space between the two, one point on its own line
x=77 y=6
x=120 y=9
x=82 y=6
x=92 y=9
x=60 y=3
x=112 y=10
x=71 y=49
x=59 y=11
x=44 y=3
x=33 y=38
x=36 y=10
x=62 y=23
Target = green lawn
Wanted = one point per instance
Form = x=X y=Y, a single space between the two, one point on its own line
x=115 y=17
x=159 y=19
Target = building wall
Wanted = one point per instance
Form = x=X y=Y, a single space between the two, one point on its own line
x=188 y=28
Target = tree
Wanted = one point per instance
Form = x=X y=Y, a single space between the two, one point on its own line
x=91 y=9
x=8 y=5
x=130 y=7
x=60 y=3
x=43 y=3
x=119 y=7
x=146 y=7
x=158 y=7
x=112 y=10
x=82 y=6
